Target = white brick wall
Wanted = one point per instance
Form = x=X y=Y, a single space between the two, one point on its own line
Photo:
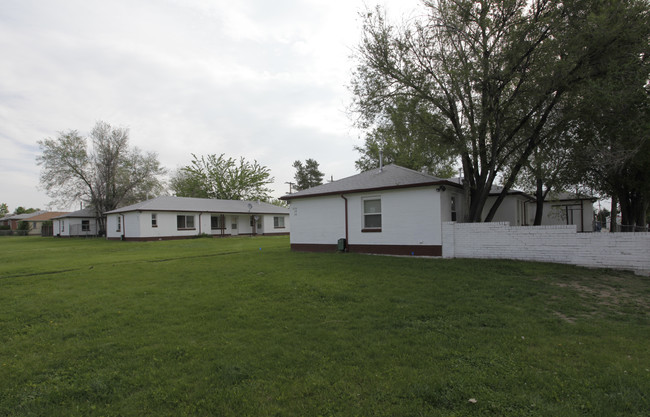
x=561 y=244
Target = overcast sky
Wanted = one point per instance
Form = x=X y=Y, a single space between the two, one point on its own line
x=266 y=80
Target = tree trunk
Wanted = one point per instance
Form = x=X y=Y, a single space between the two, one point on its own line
x=539 y=202
x=614 y=212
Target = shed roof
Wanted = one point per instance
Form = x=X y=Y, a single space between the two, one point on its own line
x=205 y=205
x=389 y=177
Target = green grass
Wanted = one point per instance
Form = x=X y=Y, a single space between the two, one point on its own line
x=244 y=326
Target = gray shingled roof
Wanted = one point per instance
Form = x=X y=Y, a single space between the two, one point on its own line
x=87 y=212
x=391 y=176
x=22 y=216
x=167 y=203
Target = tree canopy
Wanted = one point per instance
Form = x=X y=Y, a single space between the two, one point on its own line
x=495 y=76
x=222 y=178
x=24 y=210
x=307 y=175
x=107 y=175
x=612 y=119
x=404 y=137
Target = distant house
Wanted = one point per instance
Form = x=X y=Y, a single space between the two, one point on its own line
x=181 y=217
x=78 y=223
x=389 y=210
x=5 y=221
x=567 y=209
x=34 y=220
x=12 y=220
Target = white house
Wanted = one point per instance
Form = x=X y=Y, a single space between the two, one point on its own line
x=181 y=217
x=568 y=209
x=392 y=210
x=389 y=210
x=77 y=223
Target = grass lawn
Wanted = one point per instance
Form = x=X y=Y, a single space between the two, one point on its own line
x=245 y=327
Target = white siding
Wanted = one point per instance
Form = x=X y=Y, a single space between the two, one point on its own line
x=318 y=220
x=139 y=225
x=269 y=224
x=579 y=213
x=515 y=209
x=65 y=226
x=410 y=216
x=111 y=227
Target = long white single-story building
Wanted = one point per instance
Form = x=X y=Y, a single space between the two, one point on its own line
x=388 y=210
x=182 y=217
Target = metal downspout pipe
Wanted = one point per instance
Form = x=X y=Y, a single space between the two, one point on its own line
x=347 y=238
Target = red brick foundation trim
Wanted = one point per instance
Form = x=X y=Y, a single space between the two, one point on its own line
x=405 y=250
x=313 y=247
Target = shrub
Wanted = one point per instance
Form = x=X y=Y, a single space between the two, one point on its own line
x=23 y=226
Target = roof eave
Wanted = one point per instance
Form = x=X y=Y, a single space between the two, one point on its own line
x=289 y=197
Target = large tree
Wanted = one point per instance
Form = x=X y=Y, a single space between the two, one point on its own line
x=106 y=175
x=405 y=136
x=307 y=175
x=613 y=120
x=496 y=73
x=222 y=178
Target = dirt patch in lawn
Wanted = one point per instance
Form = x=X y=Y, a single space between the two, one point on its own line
x=609 y=291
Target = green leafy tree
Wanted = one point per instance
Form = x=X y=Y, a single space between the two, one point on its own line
x=613 y=121
x=307 y=175
x=24 y=226
x=405 y=136
x=496 y=74
x=222 y=178
x=4 y=209
x=23 y=210
x=108 y=175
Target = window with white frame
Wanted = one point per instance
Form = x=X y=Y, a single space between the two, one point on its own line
x=154 y=220
x=184 y=222
x=372 y=214
x=85 y=225
x=119 y=224
x=278 y=222
x=217 y=222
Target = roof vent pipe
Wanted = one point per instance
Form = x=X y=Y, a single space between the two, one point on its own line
x=381 y=161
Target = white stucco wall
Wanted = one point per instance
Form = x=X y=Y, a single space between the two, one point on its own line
x=507 y=211
x=138 y=225
x=580 y=213
x=63 y=227
x=318 y=220
x=410 y=216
